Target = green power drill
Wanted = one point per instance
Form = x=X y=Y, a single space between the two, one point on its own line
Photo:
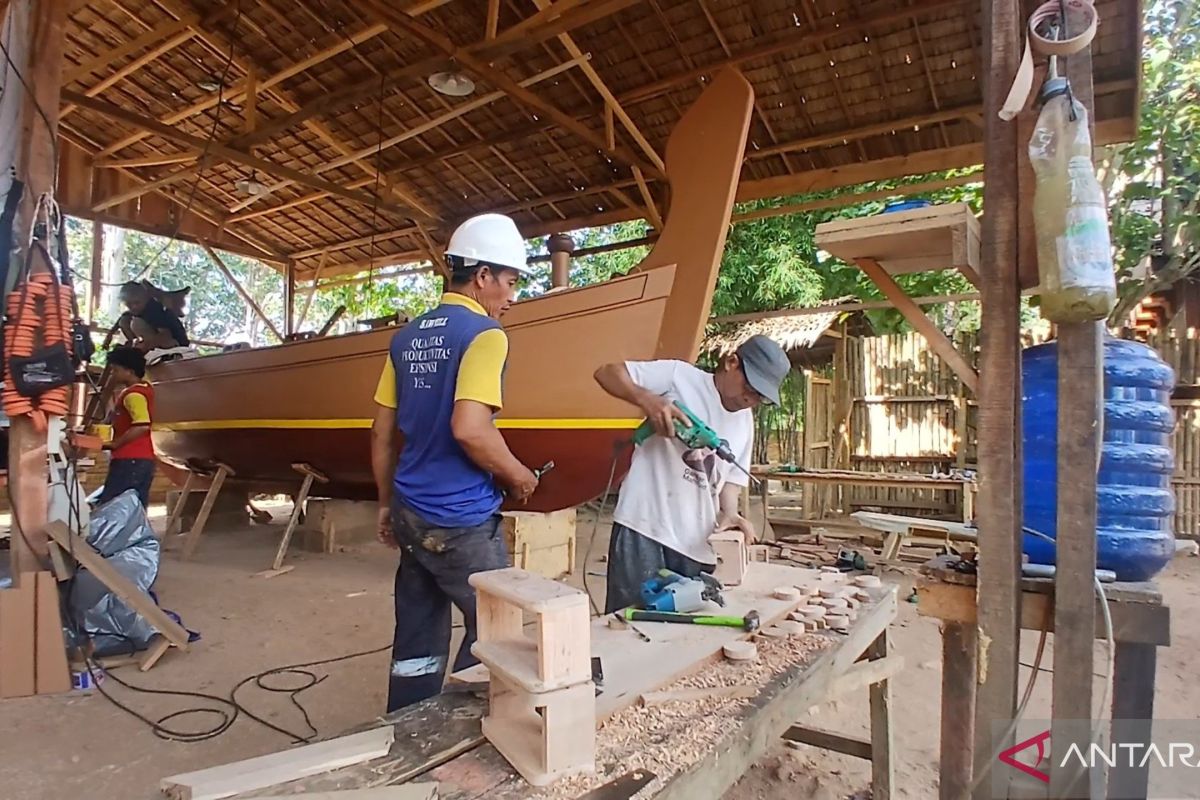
x=694 y=436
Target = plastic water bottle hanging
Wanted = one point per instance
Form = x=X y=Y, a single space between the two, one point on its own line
x=1075 y=266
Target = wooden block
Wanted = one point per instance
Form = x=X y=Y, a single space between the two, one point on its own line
x=838 y=622
x=541 y=543
x=288 y=765
x=52 y=675
x=758 y=554
x=17 y=639
x=528 y=591
x=564 y=647
x=496 y=620
x=703 y=693
x=730 y=550
x=545 y=736
x=86 y=555
x=741 y=651
x=868 y=582
x=791 y=628
x=157 y=649
x=785 y=593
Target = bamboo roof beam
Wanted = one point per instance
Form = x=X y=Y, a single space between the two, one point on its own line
x=425 y=127
x=508 y=42
x=610 y=101
x=792 y=42
x=224 y=152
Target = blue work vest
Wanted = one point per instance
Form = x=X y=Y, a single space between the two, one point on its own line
x=434 y=476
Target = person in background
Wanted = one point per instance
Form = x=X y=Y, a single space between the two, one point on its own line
x=437 y=396
x=131 y=464
x=672 y=500
x=147 y=325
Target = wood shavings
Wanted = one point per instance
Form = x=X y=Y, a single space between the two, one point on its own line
x=668 y=739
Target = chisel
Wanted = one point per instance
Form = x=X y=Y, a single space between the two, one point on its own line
x=748 y=623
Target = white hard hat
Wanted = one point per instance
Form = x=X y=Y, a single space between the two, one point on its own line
x=489 y=239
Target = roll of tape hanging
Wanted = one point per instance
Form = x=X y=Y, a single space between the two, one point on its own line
x=1022 y=84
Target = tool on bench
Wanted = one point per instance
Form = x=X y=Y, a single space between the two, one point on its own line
x=621 y=788
x=670 y=591
x=695 y=436
x=750 y=622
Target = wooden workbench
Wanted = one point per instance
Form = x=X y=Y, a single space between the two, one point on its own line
x=1140 y=624
x=890 y=480
x=440 y=739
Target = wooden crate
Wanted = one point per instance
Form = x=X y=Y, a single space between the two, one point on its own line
x=543 y=544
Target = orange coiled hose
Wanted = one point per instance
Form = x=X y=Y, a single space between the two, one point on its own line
x=41 y=306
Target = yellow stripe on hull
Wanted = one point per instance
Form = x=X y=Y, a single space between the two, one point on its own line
x=363 y=424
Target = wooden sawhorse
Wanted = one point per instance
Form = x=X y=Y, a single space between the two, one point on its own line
x=310 y=475
x=192 y=539
x=1140 y=623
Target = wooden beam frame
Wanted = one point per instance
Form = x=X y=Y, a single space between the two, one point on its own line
x=228 y=153
x=518 y=93
x=940 y=343
x=241 y=290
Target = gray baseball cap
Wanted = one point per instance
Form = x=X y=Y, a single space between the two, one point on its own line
x=765 y=365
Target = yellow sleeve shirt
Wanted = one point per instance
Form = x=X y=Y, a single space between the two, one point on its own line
x=479 y=375
x=139 y=411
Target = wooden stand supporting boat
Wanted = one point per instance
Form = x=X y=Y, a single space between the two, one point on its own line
x=260 y=411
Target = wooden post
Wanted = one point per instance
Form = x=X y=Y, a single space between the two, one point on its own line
x=1132 y=711
x=96 y=278
x=192 y=540
x=177 y=510
x=289 y=299
x=561 y=246
x=216 y=259
x=36 y=168
x=883 y=772
x=958 y=710
x=310 y=475
x=1080 y=391
x=999 y=434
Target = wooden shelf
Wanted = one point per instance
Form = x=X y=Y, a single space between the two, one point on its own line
x=516 y=661
x=920 y=240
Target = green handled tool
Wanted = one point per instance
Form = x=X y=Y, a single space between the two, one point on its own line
x=750 y=622
x=694 y=436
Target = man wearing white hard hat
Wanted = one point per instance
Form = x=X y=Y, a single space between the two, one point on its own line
x=439 y=499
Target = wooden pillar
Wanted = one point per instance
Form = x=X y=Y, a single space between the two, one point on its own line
x=289 y=299
x=958 y=710
x=561 y=247
x=35 y=167
x=999 y=434
x=1080 y=388
x=96 y=278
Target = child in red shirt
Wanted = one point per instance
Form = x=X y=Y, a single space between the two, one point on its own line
x=132 y=461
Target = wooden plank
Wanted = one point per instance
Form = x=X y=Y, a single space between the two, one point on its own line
x=180 y=503
x=104 y=572
x=411 y=791
x=916 y=317
x=958 y=711
x=52 y=675
x=999 y=425
x=690 y=695
x=59 y=563
x=1146 y=623
x=293 y=521
x=154 y=653
x=828 y=740
x=448 y=726
x=924 y=239
x=269 y=770
x=17 y=609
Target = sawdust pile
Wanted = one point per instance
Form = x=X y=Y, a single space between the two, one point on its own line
x=667 y=739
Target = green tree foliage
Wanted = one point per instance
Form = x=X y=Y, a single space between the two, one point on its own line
x=1154 y=182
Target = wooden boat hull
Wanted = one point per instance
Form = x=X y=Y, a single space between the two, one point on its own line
x=259 y=411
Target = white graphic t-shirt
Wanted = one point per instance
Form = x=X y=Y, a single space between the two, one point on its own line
x=670 y=500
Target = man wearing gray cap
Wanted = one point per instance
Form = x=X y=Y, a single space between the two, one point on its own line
x=672 y=500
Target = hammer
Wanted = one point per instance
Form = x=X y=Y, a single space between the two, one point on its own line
x=750 y=622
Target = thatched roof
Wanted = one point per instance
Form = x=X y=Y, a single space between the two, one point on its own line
x=326 y=104
x=790 y=333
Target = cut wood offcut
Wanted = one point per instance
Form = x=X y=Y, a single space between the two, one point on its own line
x=730 y=550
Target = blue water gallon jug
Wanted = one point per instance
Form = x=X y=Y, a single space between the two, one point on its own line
x=1135 y=504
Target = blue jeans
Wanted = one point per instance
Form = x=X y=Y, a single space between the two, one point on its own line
x=125 y=474
x=434 y=566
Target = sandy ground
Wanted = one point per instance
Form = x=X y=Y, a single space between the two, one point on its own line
x=331 y=605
